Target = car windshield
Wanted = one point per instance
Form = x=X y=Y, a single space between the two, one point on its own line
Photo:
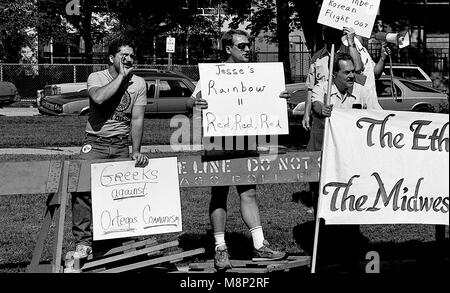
x=418 y=88
x=408 y=73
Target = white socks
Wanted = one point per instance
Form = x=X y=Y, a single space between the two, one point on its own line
x=257 y=236
x=219 y=238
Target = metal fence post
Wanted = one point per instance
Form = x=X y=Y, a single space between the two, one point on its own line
x=1 y=72
x=74 y=73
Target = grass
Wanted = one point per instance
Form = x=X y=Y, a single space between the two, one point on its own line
x=285 y=212
x=68 y=131
x=53 y=131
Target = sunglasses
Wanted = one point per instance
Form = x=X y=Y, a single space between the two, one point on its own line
x=241 y=46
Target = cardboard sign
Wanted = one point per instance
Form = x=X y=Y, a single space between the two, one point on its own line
x=243 y=99
x=358 y=14
x=385 y=167
x=129 y=201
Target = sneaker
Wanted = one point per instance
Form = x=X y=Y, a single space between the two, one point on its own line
x=222 y=259
x=82 y=251
x=265 y=253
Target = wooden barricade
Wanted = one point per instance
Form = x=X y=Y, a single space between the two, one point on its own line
x=44 y=177
x=195 y=171
x=58 y=178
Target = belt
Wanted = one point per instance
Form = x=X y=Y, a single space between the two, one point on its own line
x=111 y=139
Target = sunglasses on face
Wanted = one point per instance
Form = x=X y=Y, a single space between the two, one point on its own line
x=242 y=46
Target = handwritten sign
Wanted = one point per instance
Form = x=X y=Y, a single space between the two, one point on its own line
x=358 y=14
x=129 y=201
x=383 y=167
x=243 y=99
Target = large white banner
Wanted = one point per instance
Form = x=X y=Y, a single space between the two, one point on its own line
x=382 y=167
x=358 y=14
x=129 y=201
x=243 y=99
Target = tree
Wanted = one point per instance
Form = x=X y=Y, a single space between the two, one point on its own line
x=17 y=18
x=273 y=16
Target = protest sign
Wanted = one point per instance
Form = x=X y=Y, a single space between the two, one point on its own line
x=385 y=167
x=358 y=14
x=243 y=99
x=129 y=201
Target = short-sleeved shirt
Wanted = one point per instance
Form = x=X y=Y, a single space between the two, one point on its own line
x=318 y=70
x=368 y=66
x=113 y=117
x=319 y=67
x=357 y=95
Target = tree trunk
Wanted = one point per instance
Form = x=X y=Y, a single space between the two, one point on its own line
x=283 y=37
x=86 y=27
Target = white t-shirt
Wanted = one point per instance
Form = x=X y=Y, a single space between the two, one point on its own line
x=113 y=118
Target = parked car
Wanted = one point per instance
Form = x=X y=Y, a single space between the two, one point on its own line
x=409 y=71
x=167 y=93
x=411 y=96
x=60 y=88
x=8 y=93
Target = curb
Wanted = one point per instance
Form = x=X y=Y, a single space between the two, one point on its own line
x=152 y=149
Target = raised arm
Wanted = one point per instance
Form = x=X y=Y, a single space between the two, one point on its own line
x=99 y=95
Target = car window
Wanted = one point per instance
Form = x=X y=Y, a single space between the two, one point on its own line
x=151 y=85
x=407 y=73
x=173 y=88
x=418 y=88
x=384 y=88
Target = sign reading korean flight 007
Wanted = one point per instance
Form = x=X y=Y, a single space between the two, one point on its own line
x=358 y=14
x=243 y=99
x=129 y=201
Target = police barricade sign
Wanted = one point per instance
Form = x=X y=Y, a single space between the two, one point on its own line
x=385 y=167
x=129 y=201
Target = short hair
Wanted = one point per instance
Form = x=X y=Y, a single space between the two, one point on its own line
x=340 y=57
x=227 y=37
x=115 y=45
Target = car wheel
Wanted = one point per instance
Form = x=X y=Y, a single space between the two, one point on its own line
x=424 y=108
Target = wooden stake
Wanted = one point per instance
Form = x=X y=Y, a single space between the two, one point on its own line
x=326 y=102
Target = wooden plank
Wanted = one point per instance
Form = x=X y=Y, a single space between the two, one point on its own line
x=125 y=247
x=39 y=247
x=155 y=261
x=60 y=219
x=128 y=255
x=248 y=270
x=196 y=171
x=40 y=268
x=238 y=263
x=29 y=177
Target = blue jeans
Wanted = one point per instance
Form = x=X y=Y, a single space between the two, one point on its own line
x=93 y=148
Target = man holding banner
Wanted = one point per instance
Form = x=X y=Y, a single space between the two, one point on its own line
x=345 y=92
x=235 y=43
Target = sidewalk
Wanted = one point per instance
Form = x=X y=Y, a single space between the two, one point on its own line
x=147 y=149
x=152 y=149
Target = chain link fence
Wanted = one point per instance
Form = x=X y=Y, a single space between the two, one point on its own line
x=31 y=78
